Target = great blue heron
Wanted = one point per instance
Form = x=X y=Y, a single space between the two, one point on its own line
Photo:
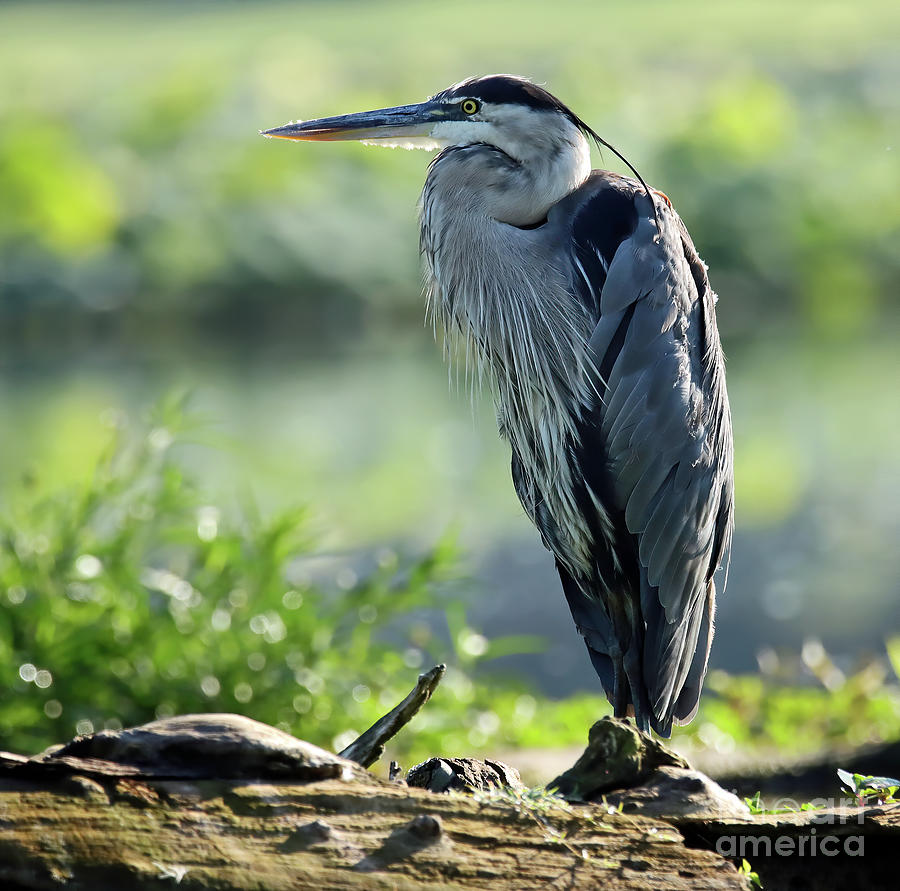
x=586 y=305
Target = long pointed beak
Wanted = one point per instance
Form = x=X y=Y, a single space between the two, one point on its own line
x=401 y=122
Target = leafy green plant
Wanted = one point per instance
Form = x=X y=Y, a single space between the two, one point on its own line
x=869 y=789
x=745 y=869
x=755 y=804
x=133 y=597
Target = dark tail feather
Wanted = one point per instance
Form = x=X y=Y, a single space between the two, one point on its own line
x=689 y=698
x=658 y=684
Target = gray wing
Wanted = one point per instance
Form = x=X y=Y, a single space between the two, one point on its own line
x=664 y=424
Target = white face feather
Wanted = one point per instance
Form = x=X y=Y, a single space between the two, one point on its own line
x=525 y=134
x=547 y=157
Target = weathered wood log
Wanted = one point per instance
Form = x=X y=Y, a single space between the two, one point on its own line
x=128 y=832
x=128 y=808
x=629 y=769
x=617 y=756
x=829 y=849
x=220 y=801
x=189 y=747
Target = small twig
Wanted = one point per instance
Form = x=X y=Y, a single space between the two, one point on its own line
x=369 y=747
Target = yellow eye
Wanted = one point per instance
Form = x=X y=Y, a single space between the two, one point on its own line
x=469 y=106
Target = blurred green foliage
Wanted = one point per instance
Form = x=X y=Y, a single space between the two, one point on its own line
x=797 y=715
x=133 y=597
x=134 y=183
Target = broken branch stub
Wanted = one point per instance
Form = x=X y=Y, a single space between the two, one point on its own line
x=369 y=747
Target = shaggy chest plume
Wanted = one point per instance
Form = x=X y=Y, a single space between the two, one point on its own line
x=525 y=335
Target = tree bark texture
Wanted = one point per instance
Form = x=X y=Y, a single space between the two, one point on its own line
x=84 y=832
x=223 y=802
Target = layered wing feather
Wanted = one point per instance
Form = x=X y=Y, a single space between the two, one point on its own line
x=655 y=447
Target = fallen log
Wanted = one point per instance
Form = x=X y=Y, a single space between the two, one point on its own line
x=221 y=801
x=91 y=832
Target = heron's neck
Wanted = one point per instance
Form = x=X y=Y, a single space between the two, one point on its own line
x=502 y=286
x=515 y=181
x=478 y=205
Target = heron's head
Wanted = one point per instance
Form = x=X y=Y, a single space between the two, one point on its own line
x=524 y=148
x=509 y=113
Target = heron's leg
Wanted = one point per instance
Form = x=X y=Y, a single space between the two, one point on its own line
x=621 y=688
x=634 y=671
x=631 y=635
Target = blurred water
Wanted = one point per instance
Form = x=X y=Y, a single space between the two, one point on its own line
x=384 y=450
